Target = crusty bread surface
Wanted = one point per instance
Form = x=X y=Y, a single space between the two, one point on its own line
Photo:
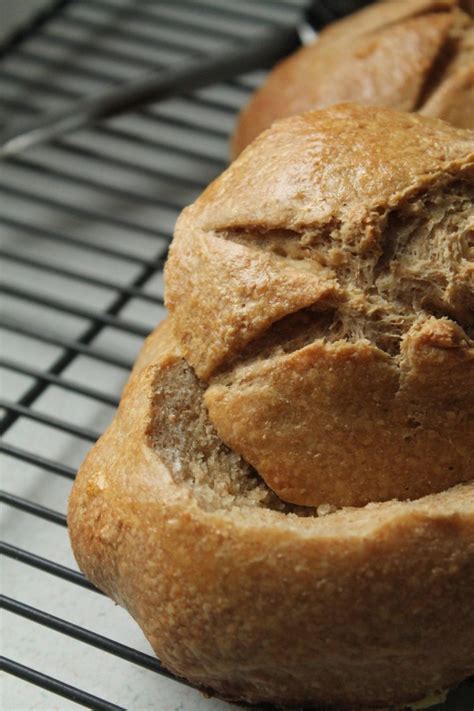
x=323 y=287
x=285 y=499
x=361 y=608
x=410 y=55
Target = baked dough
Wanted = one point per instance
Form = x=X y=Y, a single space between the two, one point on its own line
x=238 y=590
x=323 y=287
x=410 y=55
x=362 y=608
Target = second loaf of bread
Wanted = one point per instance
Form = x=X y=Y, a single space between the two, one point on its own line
x=410 y=55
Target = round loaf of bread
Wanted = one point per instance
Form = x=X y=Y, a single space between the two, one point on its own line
x=323 y=289
x=285 y=499
x=410 y=55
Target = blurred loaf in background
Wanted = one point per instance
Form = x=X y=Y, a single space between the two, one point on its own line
x=410 y=55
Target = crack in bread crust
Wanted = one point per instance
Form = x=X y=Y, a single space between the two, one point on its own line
x=335 y=305
x=180 y=430
x=418 y=263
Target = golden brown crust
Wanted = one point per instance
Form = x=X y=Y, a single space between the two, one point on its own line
x=363 y=608
x=384 y=55
x=254 y=289
x=382 y=14
x=453 y=98
x=319 y=424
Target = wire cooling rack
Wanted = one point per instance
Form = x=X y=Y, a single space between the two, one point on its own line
x=86 y=222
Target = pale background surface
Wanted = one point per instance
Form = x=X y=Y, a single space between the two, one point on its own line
x=15 y=12
x=31 y=644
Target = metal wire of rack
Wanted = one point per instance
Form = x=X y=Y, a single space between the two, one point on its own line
x=86 y=225
x=86 y=222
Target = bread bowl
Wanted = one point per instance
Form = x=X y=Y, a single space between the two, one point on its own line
x=410 y=55
x=241 y=587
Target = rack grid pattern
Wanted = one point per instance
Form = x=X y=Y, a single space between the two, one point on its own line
x=86 y=222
